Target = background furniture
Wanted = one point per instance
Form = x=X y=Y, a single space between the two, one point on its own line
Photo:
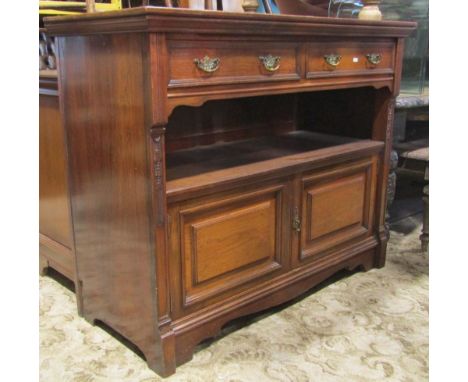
x=70 y=7
x=55 y=231
x=410 y=161
x=221 y=163
x=55 y=226
x=425 y=229
x=410 y=108
x=415 y=75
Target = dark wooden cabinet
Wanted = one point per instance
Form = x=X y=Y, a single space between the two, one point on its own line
x=221 y=163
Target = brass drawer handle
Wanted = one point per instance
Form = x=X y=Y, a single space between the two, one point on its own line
x=207 y=64
x=271 y=63
x=296 y=222
x=374 y=58
x=332 y=59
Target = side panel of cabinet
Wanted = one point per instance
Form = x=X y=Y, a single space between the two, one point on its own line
x=336 y=208
x=221 y=245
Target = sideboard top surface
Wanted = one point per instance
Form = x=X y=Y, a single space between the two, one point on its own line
x=173 y=20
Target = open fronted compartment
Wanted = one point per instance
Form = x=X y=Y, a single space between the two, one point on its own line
x=224 y=140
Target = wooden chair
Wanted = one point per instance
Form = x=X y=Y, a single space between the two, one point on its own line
x=422 y=155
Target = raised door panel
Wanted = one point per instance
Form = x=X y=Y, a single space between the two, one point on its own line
x=231 y=240
x=221 y=245
x=336 y=207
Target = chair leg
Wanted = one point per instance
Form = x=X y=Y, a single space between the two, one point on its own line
x=425 y=229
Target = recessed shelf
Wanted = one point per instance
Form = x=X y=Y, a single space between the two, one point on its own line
x=193 y=169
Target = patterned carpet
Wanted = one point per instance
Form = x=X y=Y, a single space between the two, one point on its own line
x=366 y=327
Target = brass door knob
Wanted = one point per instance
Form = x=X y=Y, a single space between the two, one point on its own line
x=271 y=63
x=207 y=64
x=332 y=59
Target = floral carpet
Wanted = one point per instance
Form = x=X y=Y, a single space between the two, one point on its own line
x=365 y=327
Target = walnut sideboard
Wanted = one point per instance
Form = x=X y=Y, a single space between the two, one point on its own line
x=221 y=163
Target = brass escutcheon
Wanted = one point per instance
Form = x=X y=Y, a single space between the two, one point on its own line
x=296 y=222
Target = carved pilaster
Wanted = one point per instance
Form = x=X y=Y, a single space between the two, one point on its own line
x=390 y=118
x=392 y=160
x=160 y=229
x=391 y=185
x=157 y=136
x=383 y=131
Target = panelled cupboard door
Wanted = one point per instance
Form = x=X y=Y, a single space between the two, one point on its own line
x=336 y=208
x=222 y=244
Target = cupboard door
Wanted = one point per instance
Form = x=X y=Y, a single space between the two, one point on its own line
x=336 y=208
x=221 y=244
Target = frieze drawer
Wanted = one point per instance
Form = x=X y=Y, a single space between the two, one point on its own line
x=341 y=58
x=204 y=63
